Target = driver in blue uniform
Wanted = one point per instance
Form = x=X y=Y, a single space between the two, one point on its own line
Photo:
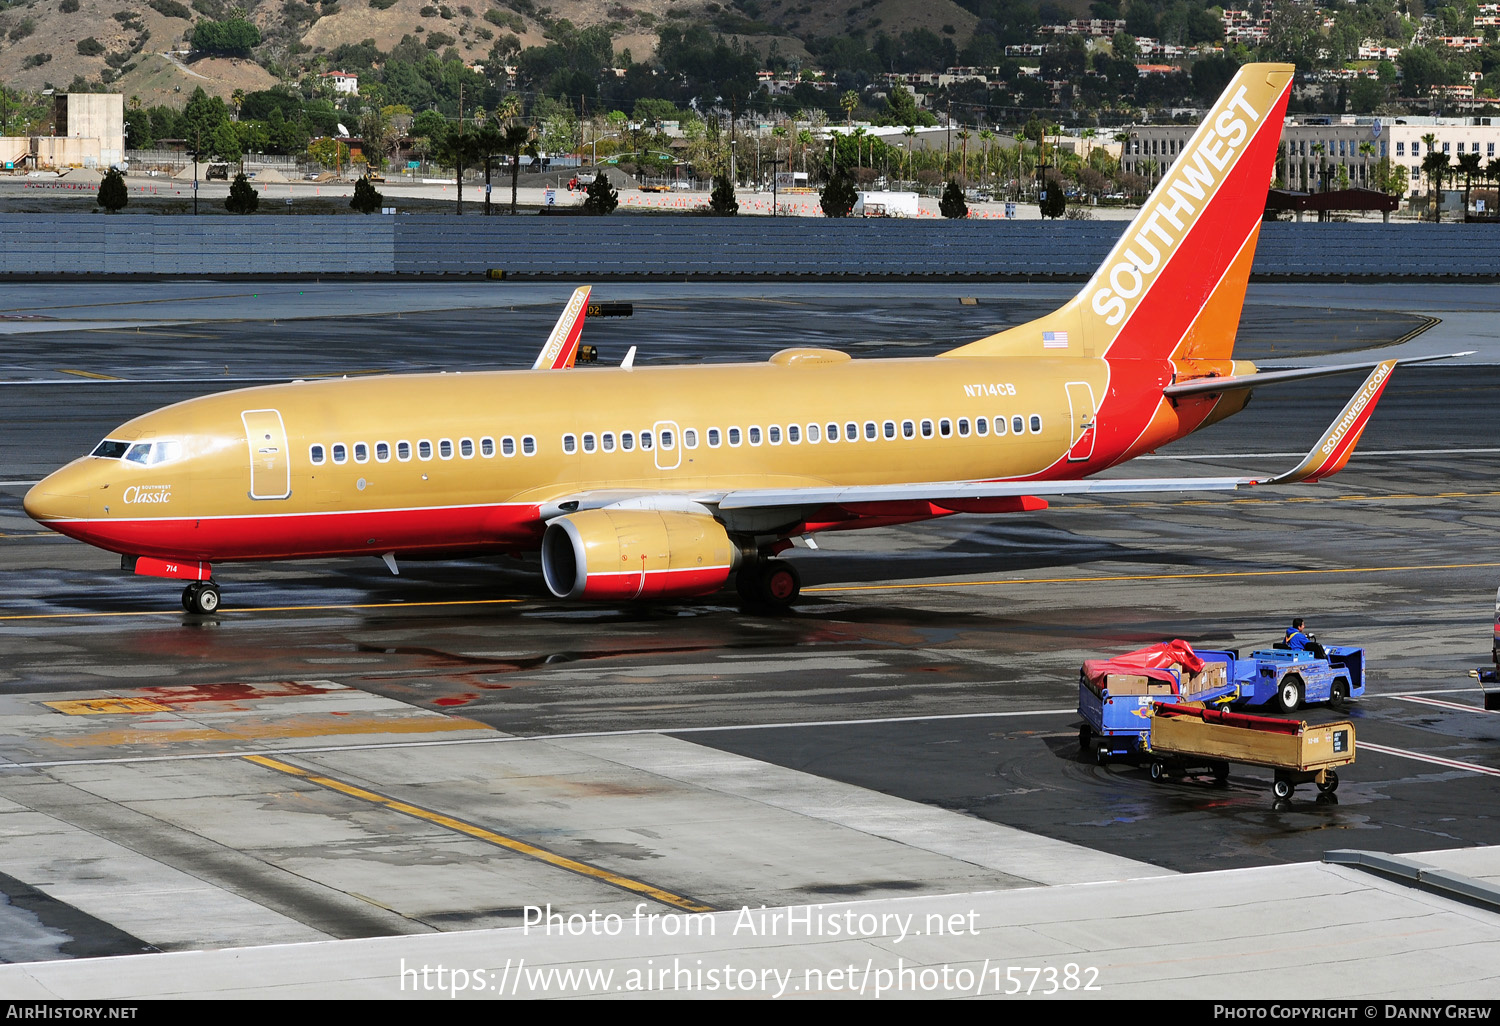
x=1298 y=639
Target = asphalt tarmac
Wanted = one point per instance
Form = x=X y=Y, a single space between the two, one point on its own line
x=934 y=664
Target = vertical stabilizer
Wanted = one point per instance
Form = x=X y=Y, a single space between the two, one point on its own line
x=1174 y=283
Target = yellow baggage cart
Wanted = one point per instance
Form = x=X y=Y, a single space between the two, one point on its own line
x=1184 y=738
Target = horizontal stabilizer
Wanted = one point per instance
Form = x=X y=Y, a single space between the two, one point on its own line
x=1211 y=386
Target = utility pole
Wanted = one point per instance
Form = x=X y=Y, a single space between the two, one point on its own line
x=197 y=145
x=733 y=175
x=775 y=163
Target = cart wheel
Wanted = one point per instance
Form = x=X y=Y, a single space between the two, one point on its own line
x=1085 y=736
x=1221 y=773
x=1101 y=756
x=1289 y=694
x=1338 y=697
x=1330 y=782
x=1158 y=770
x=1282 y=788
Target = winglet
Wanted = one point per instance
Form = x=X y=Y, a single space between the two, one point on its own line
x=1337 y=444
x=562 y=345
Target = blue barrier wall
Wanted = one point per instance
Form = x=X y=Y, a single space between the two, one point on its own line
x=607 y=247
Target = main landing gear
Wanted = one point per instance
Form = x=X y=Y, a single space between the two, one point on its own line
x=768 y=583
x=201 y=597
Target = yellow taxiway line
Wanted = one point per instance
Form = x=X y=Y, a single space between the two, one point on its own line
x=488 y=836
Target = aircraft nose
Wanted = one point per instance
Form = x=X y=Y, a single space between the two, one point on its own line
x=60 y=496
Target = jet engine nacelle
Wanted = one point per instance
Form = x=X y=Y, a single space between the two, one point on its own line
x=635 y=554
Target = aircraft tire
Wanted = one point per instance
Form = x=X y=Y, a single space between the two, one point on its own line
x=780 y=583
x=190 y=596
x=205 y=598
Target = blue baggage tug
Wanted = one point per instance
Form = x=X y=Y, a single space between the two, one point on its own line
x=1290 y=678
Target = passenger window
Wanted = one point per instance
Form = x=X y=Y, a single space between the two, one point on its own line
x=982 y=426
x=627 y=441
x=832 y=432
x=963 y=427
x=713 y=438
x=999 y=426
x=665 y=438
x=645 y=440
x=945 y=427
x=754 y=434
x=1036 y=424
x=466 y=448
x=570 y=444
x=361 y=452
x=890 y=428
x=871 y=432
x=507 y=446
x=926 y=429
x=690 y=438
x=424 y=450
x=794 y=434
x=734 y=436
x=773 y=434
x=340 y=453
x=528 y=445
x=487 y=447
x=383 y=452
x=589 y=442
x=314 y=455
x=908 y=429
x=608 y=441
x=812 y=434
x=1017 y=426
x=445 y=448
x=403 y=451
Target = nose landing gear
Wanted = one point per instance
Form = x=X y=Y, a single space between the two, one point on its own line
x=201 y=597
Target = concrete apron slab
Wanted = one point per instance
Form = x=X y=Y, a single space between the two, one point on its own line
x=1306 y=931
x=228 y=815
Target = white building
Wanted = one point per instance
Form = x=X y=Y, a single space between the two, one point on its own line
x=342 y=82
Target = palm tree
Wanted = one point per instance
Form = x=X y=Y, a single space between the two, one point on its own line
x=461 y=149
x=987 y=140
x=1317 y=149
x=1468 y=165
x=910 y=131
x=964 y=135
x=1436 y=167
x=849 y=101
x=859 y=134
x=1366 y=150
x=516 y=140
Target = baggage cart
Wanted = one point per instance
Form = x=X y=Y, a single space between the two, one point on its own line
x=1183 y=738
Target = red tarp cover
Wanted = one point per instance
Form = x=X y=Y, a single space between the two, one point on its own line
x=1232 y=719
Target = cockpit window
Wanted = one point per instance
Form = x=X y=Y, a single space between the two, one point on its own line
x=147 y=454
x=109 y=449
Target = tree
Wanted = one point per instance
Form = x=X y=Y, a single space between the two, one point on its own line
x=1054 y=198
x=366 y=200
x=952 y=204
x=721 y=203
x=601 y=197
x=1471 y=167
x=516 y=140
x=243 y=199
x=838 y=196
x=112 y=192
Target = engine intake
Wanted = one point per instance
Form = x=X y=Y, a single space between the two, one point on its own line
x=602 y=554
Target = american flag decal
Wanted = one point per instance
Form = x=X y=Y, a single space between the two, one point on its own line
x=1054 y=340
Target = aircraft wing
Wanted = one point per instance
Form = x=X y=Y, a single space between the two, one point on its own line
x=562 y=345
